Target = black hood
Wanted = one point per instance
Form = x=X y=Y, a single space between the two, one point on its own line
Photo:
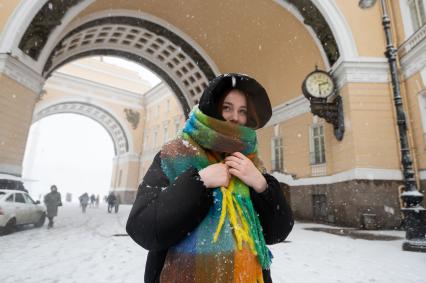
x=224 y=83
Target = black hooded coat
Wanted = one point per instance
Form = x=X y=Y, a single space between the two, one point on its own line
x=163 y=214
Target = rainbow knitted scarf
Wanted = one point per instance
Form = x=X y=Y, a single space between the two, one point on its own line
x=228 y=245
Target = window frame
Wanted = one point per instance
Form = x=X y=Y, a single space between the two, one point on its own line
x=277 y=164
x=321 y=145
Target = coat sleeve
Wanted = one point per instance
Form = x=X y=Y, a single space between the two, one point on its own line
x=274 y=212
x=164 y=213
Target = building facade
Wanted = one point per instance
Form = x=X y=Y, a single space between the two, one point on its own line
x=351 y=181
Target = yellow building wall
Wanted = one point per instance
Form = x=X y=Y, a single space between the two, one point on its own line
x=413 y=89
x=373 y=125
x=107 y=74
x=156 y=114
x=16 y=104
x=366 y=27
x=269 y=44
x=6 y=9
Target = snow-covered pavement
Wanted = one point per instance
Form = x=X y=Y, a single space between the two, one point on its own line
x=93 y=247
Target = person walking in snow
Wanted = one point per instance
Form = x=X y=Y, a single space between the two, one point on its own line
x=92 y=200
x=112 y=202
x=52 y=200
x=84 y=201
x=206 y=209
x=97 y=201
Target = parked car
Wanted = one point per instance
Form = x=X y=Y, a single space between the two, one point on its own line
x=18 y=208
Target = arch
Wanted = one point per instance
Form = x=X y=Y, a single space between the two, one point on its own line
x=167 y=54
x=24 y=16
x=188 y=87
x=104 y=118
x=339 y=27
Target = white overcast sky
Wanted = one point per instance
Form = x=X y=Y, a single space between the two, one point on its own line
x=72 y=151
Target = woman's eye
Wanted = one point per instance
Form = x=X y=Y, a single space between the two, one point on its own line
x=226 y=108
x=243 y=112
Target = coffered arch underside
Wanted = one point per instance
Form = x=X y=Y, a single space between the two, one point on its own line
x=141 y=41
x=105 y=119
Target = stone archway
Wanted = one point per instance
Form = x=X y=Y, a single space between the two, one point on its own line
x=103 y=117
x=142 y=41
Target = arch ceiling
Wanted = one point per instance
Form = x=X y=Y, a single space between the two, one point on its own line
x=142 y=41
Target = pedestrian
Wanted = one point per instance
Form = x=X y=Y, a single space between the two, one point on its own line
x=92 y=200
x=52 y=200
x=112 y=202
x=206 y=208
x=84 y=201
x=97 y=201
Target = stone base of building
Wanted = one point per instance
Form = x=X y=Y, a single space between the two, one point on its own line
x=366 y=204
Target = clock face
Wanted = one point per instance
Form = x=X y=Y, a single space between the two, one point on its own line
x=319 y=84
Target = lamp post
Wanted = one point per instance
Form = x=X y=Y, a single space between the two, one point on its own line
x=414 y=213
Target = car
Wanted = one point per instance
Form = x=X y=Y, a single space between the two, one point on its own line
x=17 y=208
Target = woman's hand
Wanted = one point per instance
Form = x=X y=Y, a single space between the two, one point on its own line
x=242 y=167
x=215 y=175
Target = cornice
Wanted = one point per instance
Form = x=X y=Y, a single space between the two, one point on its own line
x=156 y=94
x=19 y=72
x=414 y=58
x=361 y=70
x=422 y=174
x=288 y=110
x=112 y=72
x=354 y=174
x=73 y=85
x=125 y=158
x=11 y=169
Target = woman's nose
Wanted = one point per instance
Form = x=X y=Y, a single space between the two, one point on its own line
x=235 y=116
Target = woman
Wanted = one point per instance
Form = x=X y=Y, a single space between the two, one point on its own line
x=52 y=200
x=204 y=210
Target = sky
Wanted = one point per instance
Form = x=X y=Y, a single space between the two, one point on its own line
x=72 y=151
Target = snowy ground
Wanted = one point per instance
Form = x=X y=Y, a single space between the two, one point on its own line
x=93 y=247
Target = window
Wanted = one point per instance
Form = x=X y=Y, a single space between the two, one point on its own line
x=9 y=198
x=417 y=12
x=19 y=198
x=155 y=138
x=177 y=124
x=119 y=178
x=422 y=106
x=277 y=154
x=166 y=132
x=317 y=148
x=29 y=200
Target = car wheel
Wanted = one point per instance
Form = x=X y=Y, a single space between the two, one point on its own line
x=10 y=226
x=41 y=221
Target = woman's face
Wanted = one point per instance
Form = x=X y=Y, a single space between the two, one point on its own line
x=234 y=108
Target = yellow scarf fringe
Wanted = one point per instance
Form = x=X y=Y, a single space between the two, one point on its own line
x=230 y=205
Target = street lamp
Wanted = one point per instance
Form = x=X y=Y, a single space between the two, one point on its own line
x=414 y=213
